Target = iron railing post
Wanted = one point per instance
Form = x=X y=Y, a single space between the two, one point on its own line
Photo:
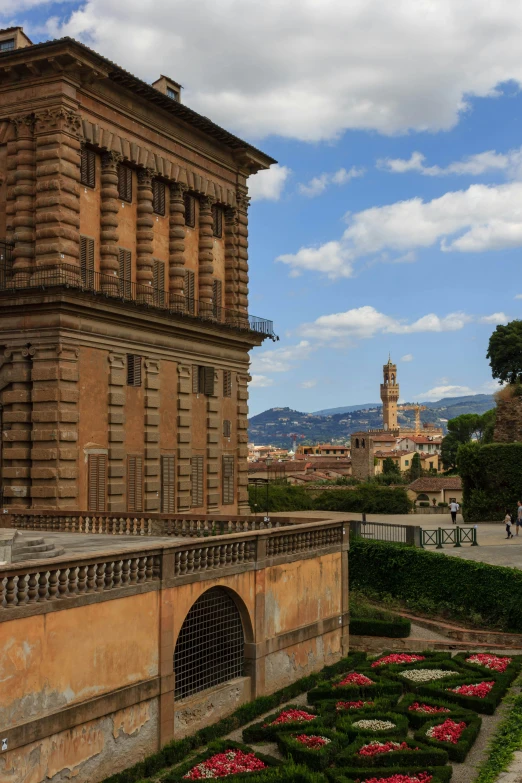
x=439 y=538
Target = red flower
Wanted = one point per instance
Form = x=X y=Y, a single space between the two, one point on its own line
x=416 y=707
x=449 y=731
x=480 y=690
x=312 y=741
x=496 y=663
x=230 y=762
x=292 y=716
x=398 y=658
x=354 y=678
x=419 y=777
x=374 y=748
x=352 y=705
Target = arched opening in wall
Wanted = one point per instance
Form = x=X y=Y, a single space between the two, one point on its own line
x=356 y=443
x=422 y=496
x=210 y=648
x=363 y=443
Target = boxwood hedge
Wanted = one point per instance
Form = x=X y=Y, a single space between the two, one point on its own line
x=315 y=758
x=510 y=672
x=329 y=709
x=266 y=732
x=458 y=751
x=220 y=746
x=398 y=628
x=347 y=725
x=418 y=719
x=439 y=774
x=331 y=690
x=485 y=706
x=491 y=479
x=418 y=754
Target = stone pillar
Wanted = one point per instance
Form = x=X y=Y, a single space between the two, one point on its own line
x=242 y=444
x=55 y=396
x=213 y=453
x=10 y=206
x=23 y=220
x=152 y=435
x=57 y=227
x=144 y=237
x=177 y=246
x=16 y=401
x=116 y=480
x=242 y=203
x=184 y=452
x=109 y=210
x=206 y=266
x=231 y=263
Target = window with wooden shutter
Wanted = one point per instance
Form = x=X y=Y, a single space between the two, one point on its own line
x=124 y=183
x=158 y=282
x=197 y=482
x=209 y=375
x=133 y=370
x=228 y=480
x=227 y=428
x=134 y=483
x=217 y=216
x=87 y=261
x=203 y=380
x=168 y=484
x=158 y=197
x=217 y=298
x=190 y=291
x=125 y=272
x=88 y=168
x=227 y=383
x=190 y=210
x=97 y=482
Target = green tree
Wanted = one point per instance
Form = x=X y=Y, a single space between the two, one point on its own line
x=463 y=427
x=390 y=467
x=415 y=467
x=449 y=448
x=505 y=352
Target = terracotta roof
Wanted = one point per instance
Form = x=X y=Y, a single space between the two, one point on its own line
x=435 y=483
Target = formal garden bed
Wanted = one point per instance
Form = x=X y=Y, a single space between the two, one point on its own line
x=394 y=730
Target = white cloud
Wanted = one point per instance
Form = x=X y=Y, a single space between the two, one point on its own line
x=407 y=357
x=518 y=296
x=478 y=219
x=309 y=384
x=280 y=359
x=11 y=7
x=473 y=165
x=318 y=185
x=494 y=318
x=268 y=184
x=260 y=381
x=311 y=70
x=438 y=392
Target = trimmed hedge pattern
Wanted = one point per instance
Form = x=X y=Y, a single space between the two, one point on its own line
x=329 y=709
x=485 y=706
x=315 y=758
x=346 y=725
x=457 y=586
x=418 y=719
x=459 y=751
x=220 y=746
x=511 y=671
x=264 y=732
x=329 y=690
x=440 y=774
x=433 y=757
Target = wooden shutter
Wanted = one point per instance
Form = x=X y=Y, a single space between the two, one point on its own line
x=190 y=210
x=195 y=378
x=168 y=484
x=158 y=282
x=227 y=428
x=87 y=261
x=217 y=216
x=88 y=168
x=217 y=298
x=133 y=370
x=208 y=381
x=97 y=482
x=125 y=271
x=227 y=383
x=197 y=481
x=228 y=480
x=125 y=183
x=134 y=483
x=190 y=291
x=158 y=197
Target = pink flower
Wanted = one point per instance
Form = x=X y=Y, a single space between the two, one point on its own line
x=375 y=748
x=398 y=658
x=480 y=690
x=416 y=707
x=230 y=762
x=293 y=716
x=496 y=663
x=449 y=731
x=419 y=777
x=352 y=705
x=354 y=678
x=312 y=741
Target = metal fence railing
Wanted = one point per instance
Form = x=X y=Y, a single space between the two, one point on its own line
x=454 y=536
x=414 y=535
x=74 y=277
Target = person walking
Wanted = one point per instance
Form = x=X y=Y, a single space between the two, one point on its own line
x=508 y=520
x=519 y=515
x=454 y=507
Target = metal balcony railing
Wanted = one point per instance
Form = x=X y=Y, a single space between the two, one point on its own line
x=72 y=277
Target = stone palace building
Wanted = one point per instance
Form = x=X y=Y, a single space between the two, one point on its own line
x=124 y=317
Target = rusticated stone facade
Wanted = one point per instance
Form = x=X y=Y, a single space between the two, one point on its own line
x=124 y=320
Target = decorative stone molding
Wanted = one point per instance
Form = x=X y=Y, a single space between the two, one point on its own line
x=205 y=257
x=213 y=451
x=242 y=441
x=231 y=259
x=16 y=429
x=177 y=241
x=243 y=202
x=59 y=119
x=109 y=210
x=24 y=192
x=144 y=237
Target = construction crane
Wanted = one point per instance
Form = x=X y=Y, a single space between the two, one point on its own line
x=417 y=409
x=294 y=437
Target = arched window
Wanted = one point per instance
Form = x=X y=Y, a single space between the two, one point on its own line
x=356 y=443
x=210 y=646
x=363 y=443
x=422 y=496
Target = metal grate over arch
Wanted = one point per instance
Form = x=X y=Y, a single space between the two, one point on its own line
x=211 y=644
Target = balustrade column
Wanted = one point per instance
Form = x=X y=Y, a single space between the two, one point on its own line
x=206 y=256
x=231 y=263
x=177 y=245
x=57 y=222
x=24 y=191
x=144 y=237
x=242 y=203
x=109 y=211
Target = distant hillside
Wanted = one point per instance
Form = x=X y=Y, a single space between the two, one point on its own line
x=276 y=424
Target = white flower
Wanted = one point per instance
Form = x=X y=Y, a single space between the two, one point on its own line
x=425 y=675
x=374 y=725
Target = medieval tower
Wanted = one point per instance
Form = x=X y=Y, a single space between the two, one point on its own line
x=389 y=396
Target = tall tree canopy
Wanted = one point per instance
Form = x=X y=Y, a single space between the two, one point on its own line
x=505 y=352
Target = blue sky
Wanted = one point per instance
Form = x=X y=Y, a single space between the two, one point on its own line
x=393 y=221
